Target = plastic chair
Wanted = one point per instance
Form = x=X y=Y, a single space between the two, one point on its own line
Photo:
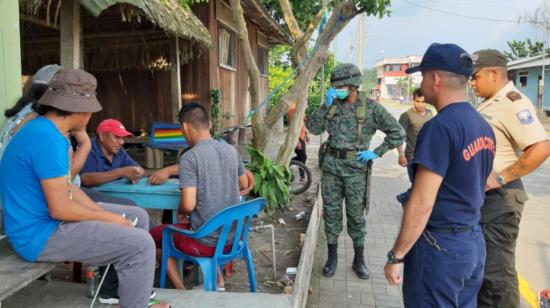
x=238 y=218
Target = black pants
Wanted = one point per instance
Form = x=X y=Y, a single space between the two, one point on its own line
x=500 y=218
x=301 y=155
x=109 y=289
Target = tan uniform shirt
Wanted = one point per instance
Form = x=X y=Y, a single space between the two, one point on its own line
x=515 y=124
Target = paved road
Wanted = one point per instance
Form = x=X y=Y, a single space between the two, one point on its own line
x=345 y=290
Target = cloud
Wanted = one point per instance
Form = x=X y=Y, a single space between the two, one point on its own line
x=411 y=29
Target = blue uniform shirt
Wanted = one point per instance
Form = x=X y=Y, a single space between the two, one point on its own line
x=459 y=145
x=97 y=162
x=37 y=152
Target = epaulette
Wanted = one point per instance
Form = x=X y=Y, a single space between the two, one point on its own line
x=513 y=96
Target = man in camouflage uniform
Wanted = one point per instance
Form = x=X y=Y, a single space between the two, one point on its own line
x=346 y=165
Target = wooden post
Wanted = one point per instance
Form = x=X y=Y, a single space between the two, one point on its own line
x=175 y=78
x=10 y=55
x=71 y=34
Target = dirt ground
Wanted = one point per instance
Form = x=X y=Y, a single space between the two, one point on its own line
x=287 y=243
x=287 y=238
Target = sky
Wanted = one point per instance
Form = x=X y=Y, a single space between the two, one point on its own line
x=411 y=29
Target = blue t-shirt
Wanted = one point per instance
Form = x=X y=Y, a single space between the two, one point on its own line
x=97 y=162
x=37 y=152
x=459 y=145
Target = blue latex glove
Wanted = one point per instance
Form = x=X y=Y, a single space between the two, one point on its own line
x=329 y=96
x=365 y=156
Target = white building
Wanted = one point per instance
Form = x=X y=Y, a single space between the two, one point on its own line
x=391 y=70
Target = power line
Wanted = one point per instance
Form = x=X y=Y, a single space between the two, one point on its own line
x=470 y=17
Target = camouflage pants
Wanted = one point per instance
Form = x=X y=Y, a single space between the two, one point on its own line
x=500 y=218
x=353 y=189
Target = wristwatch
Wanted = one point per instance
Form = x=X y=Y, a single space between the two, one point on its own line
x=392 y=259
x=500 y=179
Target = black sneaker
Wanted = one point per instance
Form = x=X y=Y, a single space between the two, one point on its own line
x=113 y=300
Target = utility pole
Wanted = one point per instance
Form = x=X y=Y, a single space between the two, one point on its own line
x=361 y=40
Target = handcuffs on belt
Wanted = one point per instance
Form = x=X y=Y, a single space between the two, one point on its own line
x=432 y=241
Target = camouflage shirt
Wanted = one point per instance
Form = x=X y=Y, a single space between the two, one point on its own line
x=342 y=130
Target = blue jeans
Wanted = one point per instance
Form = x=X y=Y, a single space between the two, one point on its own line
x=449 y=278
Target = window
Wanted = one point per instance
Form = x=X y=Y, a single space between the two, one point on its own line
x=523 y=79
x=226 y=47
x=263 y=63
x=393 y=68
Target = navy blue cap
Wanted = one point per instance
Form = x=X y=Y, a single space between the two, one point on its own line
x=445 y=57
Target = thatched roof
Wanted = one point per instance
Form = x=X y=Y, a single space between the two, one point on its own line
x=256 y=12
x=168 y=15
x=118 y=34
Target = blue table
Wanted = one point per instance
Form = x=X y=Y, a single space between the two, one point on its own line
x=165 y=196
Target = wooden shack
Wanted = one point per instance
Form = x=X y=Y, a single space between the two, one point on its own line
x=149 y=56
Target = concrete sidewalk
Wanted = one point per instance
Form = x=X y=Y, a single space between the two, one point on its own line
x=383 y=221
x=70 y=295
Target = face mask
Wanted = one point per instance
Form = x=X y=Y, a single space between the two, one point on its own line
x=342 y=93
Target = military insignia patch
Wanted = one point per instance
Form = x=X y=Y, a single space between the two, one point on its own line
x=513 y=96
x=525 y=117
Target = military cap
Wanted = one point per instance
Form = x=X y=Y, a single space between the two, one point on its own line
x=345 y=74
x=488 y=58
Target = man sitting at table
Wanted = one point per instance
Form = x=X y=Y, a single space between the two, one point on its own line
x=48 y=218
x=211 y=174
x=107 y=160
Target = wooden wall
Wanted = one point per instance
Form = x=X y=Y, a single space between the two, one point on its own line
x=196 y=75
x=139 y=97
x=204 y=74
x=135 y=97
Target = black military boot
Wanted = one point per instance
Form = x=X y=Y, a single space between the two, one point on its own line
x=359 y=266
x=330 y=265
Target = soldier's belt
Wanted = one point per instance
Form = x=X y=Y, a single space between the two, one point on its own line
x=342 y=154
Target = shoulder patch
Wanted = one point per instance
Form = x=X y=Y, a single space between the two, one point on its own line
x=513 y=96
x=525 y=117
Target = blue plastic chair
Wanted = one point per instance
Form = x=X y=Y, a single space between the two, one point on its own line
x=238 y=218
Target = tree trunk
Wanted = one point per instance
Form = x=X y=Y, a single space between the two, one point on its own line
x=298 y=92
x=259 y=131
x=341 y=16
x=263 y=124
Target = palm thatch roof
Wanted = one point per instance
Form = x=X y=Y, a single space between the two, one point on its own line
x=118 y=34
x=168 y=15
x=257 y=13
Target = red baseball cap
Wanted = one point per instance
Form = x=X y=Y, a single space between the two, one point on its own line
x=114 y=127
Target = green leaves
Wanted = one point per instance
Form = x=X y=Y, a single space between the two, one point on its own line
x=524 y=49
x=271 y=181
x=216 y=96
x=280 y=68
x=378 y=8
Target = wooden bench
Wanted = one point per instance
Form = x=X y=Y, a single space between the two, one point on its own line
x=15 y=273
